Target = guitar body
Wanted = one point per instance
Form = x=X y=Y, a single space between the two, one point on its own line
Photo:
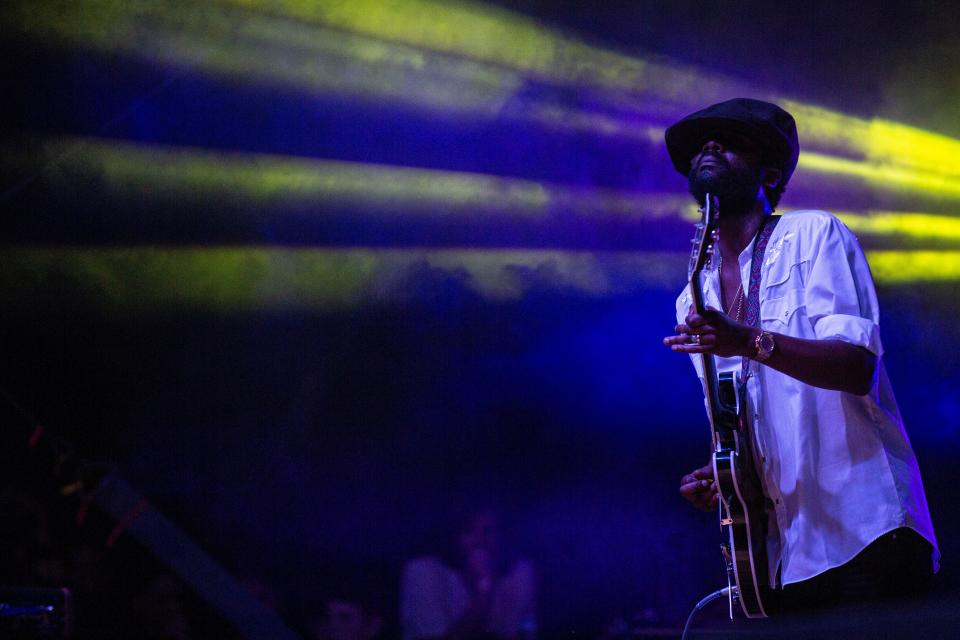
x=743 y=518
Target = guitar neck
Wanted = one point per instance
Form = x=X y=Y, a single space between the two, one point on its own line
x=720 y=408
x=709 y=367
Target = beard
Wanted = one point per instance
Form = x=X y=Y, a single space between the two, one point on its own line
x=737 y=189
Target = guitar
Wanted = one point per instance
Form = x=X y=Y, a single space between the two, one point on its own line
x=742 y=518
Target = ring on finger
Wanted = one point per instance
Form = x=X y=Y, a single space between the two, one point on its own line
x=695 y=338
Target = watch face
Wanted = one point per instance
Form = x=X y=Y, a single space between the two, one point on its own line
x=766 y=342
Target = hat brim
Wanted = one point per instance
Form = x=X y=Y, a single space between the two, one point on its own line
x=685 y=139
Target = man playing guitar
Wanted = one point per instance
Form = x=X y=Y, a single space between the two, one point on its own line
x=846 y=516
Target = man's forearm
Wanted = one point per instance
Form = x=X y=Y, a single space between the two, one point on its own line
x=829 y=364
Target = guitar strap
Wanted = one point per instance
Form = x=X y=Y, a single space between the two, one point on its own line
x=753 y=292
x=753 y=319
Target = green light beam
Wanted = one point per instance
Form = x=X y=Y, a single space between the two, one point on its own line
x=231 y=279
x=260 y=182
x=469 y=58
x=914 y=267
x=517 y=42
x=246 y=46
x=881 y=176
x=187 y=175
x=903 y=225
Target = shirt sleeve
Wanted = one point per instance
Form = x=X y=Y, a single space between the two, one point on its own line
x=840 y=297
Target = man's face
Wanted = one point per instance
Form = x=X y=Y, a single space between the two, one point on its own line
x=482 y=531
x=728 y=166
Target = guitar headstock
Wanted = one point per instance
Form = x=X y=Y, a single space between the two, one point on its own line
x=705 y=240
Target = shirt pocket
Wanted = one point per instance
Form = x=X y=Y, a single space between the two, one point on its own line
x=776 y=314
x=781 y=277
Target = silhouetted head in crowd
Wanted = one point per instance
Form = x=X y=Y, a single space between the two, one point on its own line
x=347 y=617
x=479 y=544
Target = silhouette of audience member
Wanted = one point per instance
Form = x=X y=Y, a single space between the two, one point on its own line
x=346 y=618
x=479 y=592
x=160 y=611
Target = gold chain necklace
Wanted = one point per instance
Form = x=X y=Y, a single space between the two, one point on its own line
x=738 y=310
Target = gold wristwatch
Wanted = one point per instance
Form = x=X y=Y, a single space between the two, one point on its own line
x=765 y=346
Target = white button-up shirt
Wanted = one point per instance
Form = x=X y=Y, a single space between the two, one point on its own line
x=837 y=468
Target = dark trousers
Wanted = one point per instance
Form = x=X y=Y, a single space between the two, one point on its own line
x=896 y=566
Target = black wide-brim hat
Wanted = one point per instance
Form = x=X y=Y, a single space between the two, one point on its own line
x=772 y=128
